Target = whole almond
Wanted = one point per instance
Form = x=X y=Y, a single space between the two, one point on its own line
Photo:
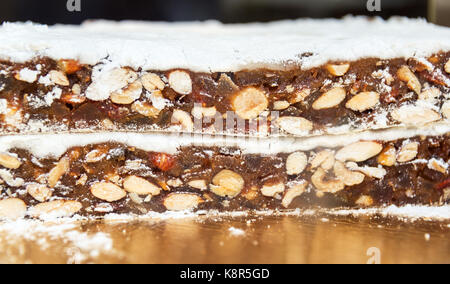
x=56 y=209
x=140 y=186
x=128 y=95
x=359 y=151
x=108 y=191
x=61 y=168
x=363 y=101
x=281 y=105
x=338 y=69
x=447 y=67
x=59 y=78
x=227 y=183
x=9 y=161
x=406 y=75
x=40 y=192
x=152 y=82
x=145 y=109
x=271 y=190
x=414 y=115
x=296 y=163
x=330 y=99
x=180 y=82
x=294 y=125
x=408 y=152
x=12 y=208
x=198 y=184
x=249 y=103
x=182 y=201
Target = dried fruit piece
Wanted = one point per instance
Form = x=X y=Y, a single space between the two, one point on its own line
x=61 y=168
x=447 y=67
x=406 y=75
x=330 y=99
x=12 y=209
x=408 y=152
x=324 y=159
x=152 y=81
x=413 y=115
x=58 y=78
x=292 y=192
x=40 y=192
x=162 y=161
x=331 y=186
x=294 y=125
x=69 y=66
x=182 y=201
x=180 y=82
x=271 y=190
x=249 y=103
x=349 y=178
x=359 y=151
x=296 y=163
x=227 y=183
x=108 y=191
x=140 y=186
x=128 y=95
x=338 y=69
x=363 y=101
x=388 y=157
x=56 y=209
x=198 y=184
x=145 y=109
x=9 y=161
x=184 y=119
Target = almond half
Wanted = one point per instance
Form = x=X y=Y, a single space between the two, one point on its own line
x=330 y=99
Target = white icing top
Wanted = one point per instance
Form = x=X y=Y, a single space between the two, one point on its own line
x=214 y=47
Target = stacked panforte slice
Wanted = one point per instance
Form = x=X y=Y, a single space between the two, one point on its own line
x=135 y=118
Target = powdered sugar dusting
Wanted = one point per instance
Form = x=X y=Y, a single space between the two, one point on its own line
x=80 y=246
x=406 y=213
x=214 y=47
x=236 y=232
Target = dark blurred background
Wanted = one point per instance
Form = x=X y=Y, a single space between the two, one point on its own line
x=228 y=11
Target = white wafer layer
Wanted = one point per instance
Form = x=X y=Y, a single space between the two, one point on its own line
x=54 y=145
x=214 y=47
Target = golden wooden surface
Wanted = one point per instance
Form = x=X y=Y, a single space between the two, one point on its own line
x=235 y=240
